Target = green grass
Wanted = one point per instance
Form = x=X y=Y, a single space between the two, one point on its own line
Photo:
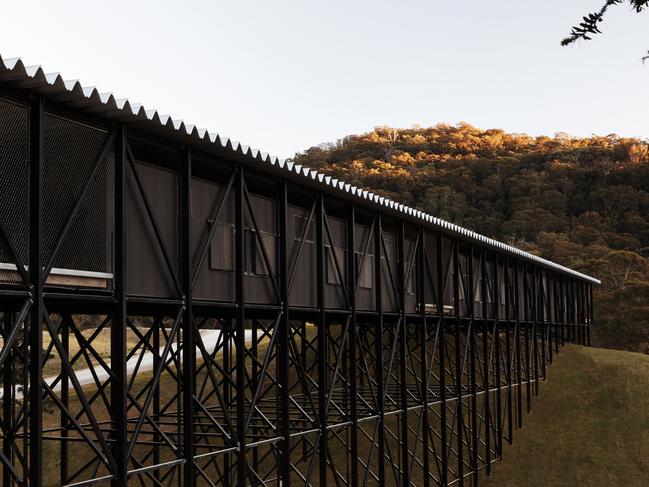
x=589 y=427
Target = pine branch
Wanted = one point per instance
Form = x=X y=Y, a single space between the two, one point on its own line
x=591 y=22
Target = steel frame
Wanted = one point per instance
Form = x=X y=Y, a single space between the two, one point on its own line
x=318 y=396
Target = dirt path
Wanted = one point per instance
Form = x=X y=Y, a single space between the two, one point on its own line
x=211 y=338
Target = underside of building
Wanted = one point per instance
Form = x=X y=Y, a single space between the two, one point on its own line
x=177 y=309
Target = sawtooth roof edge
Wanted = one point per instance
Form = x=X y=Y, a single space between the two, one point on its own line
x=72 y=93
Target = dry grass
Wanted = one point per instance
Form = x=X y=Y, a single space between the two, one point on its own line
x=80 y=453
x=589 y=426
x=101 y=345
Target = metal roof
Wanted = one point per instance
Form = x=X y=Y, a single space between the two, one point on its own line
x=71 y=93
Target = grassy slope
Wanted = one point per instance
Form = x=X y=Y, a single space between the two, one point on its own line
x=589 y=427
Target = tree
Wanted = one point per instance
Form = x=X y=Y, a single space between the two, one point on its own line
x=591 y=22
x=581 y=202
x=623 y=268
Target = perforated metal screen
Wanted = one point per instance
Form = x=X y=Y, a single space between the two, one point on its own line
x=14 y=185
x=71 y=151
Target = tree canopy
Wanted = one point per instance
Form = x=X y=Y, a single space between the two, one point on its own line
x=582 y=202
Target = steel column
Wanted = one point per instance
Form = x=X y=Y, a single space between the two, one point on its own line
x=473 y=364
x=508 y=352
x=496 y=339
x=239 y=334
x=518 y=348
x=459 y=414
x=65 y=341
x=118 y=325
x=591 y=311
x=442 y=277
x=322 y=341
x=403 y=344
x=189 y=349
x=353 y=393
x=36 y=291
x=425 y=342
x=486 y=356
x=380 y=389
x=8 y=388
x=526 y=319
x=284 y=467
x=535 y=329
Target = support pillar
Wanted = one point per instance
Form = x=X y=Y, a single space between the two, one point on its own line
x=353 y=394
x=189 y=349
x=284 y=467
x=441 y=284
x=459 y=414
x=118 y=324
x=322 y=339
x=239 y=333
x=378 y=282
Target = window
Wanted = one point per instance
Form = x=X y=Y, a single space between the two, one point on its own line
x=300 y=223
x=222 y=247
x=257 y=263
x=332 y=272
x=411 y=284
x=388 y=250
x=365 y=275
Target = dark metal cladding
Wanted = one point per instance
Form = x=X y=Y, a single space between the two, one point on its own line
x=176 y=314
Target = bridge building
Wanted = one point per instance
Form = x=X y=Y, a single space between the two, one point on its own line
x=179 y=309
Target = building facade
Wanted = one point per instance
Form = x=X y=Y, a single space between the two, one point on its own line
x=181 y=310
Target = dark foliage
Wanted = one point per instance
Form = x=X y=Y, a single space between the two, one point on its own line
x=581 y=202
x=591 y=22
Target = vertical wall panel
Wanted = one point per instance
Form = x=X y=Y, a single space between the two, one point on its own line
x=364 y=267
x=147 y=272
x=215 y=280
x=259 y=288
x=334 y=295
x=303 y=288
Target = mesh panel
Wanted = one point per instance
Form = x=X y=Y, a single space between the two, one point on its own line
x=14 y=183
x=88 y=245
x=70 y=151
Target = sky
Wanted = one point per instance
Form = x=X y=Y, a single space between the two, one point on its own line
x=284 y=75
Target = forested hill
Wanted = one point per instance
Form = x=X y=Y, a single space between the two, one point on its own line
x=582 y=202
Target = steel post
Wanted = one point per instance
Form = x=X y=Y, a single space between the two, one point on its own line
x=240 y=329
x=36 y=291
x=189 y=349
x=442 y=277
x=118 y=325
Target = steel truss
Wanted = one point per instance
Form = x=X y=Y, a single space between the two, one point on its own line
x=315 y=396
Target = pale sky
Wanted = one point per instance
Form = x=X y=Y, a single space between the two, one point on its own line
x=285 y=75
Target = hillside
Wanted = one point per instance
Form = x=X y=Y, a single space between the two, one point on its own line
x=589 y=427
x=583 y=202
